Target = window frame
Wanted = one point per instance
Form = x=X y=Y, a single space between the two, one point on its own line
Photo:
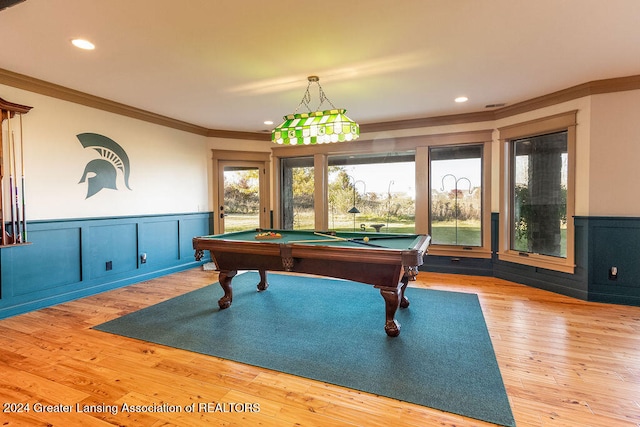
x=482 y=204
x=420 y=145
x=484 y=250
x=556 y=123
x=281 y=171
x=221 y=158
x=369 y=158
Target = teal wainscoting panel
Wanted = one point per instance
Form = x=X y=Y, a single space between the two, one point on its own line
x=190 y=228
x=112 y=243
x=619 y=248
x=50 y=261
x=72 y=258
x=614 y=242
x=458 y=265
x=160 y=241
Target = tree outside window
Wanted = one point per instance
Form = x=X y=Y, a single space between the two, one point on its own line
x=539 y=199
x=297 y=193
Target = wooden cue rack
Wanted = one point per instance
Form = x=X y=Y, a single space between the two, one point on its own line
x=12 y=192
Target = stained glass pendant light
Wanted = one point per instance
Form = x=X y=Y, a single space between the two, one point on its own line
x=315 y=127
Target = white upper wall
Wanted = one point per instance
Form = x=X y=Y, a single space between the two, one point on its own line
x=169 y=168
x=615 y=154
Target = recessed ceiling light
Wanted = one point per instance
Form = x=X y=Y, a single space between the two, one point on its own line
x=461 y=99
x=83 y=44
x=268 y=122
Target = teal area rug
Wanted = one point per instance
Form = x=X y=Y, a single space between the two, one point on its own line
x=333 y=331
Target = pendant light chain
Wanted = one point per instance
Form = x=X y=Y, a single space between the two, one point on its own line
x=306 y=98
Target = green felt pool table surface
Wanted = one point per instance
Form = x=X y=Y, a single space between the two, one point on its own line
x=383 y=240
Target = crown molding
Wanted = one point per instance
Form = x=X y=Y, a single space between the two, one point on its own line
x=42 y=87
x=455 y=119
x=232 y=134
x=595 y=87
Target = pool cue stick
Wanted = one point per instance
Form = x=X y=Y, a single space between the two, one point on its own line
x=313 y=241
x=4 y=233
x=317 y=233
x=13 y=217
x=24 y=210
x=347 y=240
x=380 y=238
x=18 y=236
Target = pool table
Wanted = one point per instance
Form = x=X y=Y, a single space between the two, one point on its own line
x=385 y=260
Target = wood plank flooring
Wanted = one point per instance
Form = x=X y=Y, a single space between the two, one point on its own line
x=564 y=362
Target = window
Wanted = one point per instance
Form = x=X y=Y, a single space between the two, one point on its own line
x=384 y=186
x=297 y=193
x=456 y=195
x=538 y=193
x=539 y=199
x=372 y=192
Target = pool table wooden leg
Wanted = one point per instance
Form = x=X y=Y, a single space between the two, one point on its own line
x=224 y=278
x=263 y=285
x=392 y=302
x=394 y=298
x=404 y=301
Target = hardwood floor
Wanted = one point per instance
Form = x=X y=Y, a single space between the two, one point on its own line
x=564 y=362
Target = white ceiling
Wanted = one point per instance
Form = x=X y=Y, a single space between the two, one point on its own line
x=231 y=65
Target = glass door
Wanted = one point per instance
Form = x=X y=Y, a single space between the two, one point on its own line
x=239 y=196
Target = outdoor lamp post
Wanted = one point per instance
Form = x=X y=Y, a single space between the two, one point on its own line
x=354 y=210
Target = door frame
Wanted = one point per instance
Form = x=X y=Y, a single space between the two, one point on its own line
x=262 y=161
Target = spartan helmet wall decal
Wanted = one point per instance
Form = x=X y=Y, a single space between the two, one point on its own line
x=105 y=169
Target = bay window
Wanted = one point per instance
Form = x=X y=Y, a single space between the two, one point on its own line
x=538 y=193
x=456 y=195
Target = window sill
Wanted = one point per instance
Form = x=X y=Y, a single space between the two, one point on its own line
x=458 y=251
x=534 y=260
